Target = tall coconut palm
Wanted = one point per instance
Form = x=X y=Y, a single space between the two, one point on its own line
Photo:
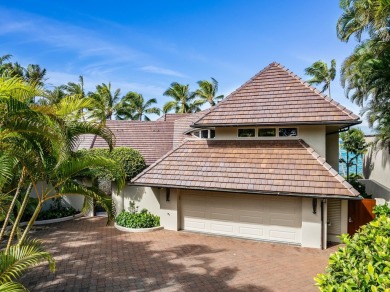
x=134 y=107
x=35 y=75
x=321 y=74
x=76 y=89
x=183 y=100
x=207 y=91
x=108 y=101
x=360 y=16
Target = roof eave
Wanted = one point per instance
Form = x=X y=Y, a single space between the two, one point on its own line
x=258 y=192
x=341 y=123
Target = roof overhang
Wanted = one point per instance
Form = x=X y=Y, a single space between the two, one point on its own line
x=255 y=192
x=341 y=124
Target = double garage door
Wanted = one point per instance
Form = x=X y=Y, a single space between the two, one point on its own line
x=258 y=217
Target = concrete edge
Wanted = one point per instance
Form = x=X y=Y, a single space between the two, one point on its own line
x=136 y=230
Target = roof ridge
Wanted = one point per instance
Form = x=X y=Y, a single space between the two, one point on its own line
x=232 y=93
x=315 y=90
x=329 y=168
x=159 y=160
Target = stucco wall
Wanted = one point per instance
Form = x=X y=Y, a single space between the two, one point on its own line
x=144 y=197
x=312 y=135
x=376 y=164
x=311 y=224
x=332 y=150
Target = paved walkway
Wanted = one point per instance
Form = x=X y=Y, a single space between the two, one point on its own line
x=94 y=257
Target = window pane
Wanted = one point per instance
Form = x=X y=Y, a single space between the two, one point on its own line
x=286 y=132
x=212 y=133
x=267 y=132
x=246 y=133
x=196 y=134
x=205 y=134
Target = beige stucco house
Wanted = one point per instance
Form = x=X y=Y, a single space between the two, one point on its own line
x=262 y=164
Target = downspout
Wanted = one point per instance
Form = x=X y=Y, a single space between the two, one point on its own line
x=322 y=224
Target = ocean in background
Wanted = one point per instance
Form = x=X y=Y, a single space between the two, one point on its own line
x=352 y=169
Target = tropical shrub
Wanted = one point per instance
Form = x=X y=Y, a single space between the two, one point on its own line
x=19 y=258
x=363 y=264
x=382 y=210
x=130 y=159
x=135 y=219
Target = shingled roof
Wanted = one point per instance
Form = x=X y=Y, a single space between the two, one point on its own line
x=152 y=139
x=277 y=96
x=282 y=167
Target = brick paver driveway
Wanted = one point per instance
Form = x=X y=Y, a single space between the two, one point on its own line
x=94 y=257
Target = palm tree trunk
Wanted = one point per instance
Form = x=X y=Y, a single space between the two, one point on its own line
x=13 y=203
x=19 y=217
x=30 y=223
x=329 y=89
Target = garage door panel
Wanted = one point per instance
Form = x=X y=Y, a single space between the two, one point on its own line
x=221 y=227
x=242 y=215
x=279 y=235
x=251 y=219
x=222 y=214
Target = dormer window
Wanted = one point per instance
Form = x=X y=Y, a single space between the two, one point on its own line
x=204 y=134
x=267 y=132
x=288 y=132
x=246 y=133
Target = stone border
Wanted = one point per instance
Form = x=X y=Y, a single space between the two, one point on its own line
x=125 y=229
x=52 y=221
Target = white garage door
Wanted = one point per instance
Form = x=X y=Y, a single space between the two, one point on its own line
x=250 y=216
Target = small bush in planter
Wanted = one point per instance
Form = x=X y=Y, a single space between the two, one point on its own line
x=135 y=219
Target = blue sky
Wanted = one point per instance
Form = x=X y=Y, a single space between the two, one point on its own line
x=143 y=46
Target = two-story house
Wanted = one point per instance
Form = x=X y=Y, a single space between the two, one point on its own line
x=262 y=164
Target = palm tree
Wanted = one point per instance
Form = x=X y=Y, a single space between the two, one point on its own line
x=108 y=101
x=208 y=90
x=322 y=74
x=18 y=260
x=183 y=99
x=134 y=107
x=41 y=139
x=76 y=88
x=35 y=75
x=362 y=15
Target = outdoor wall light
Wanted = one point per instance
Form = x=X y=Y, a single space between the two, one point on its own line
x=314 y=204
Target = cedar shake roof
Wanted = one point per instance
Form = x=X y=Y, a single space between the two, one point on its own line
x=182 y=127
x=282 y=167
x=151 y=139
x=277 y=96
x=172 y=117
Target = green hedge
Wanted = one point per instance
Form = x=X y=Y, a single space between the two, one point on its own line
x=144 y=219
x=130 y=159
x=363 y=264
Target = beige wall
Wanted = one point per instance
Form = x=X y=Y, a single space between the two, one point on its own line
x=376 y=164
x=332 y=150
x=312 y=135
x=170 y=210
x=311 y=224
x=144 y=197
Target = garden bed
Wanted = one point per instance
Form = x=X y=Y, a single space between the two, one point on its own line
x=125 y=229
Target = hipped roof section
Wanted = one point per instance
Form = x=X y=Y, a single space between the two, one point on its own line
x=276 y=96
x=277 y=167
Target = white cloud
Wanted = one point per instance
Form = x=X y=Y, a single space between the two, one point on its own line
x=162 y=71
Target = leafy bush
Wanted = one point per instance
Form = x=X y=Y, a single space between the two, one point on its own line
x=363 y=264
x=143 y=219
x=56 y=210
x=130 y=159
x=382 y=210
x=361 y=188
